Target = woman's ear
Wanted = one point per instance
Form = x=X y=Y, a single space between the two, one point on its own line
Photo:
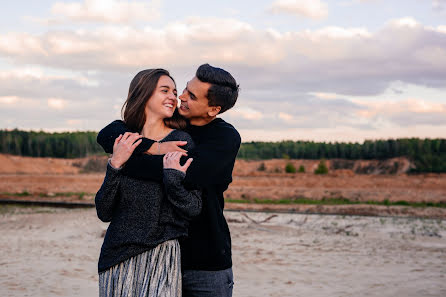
x=214 y=111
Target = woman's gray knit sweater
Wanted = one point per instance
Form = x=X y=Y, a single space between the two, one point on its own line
x=142 y=214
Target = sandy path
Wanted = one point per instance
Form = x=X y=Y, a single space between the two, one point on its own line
x=53 y=252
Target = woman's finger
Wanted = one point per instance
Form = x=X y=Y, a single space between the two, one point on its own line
x=134 y=145
x=187 y=164
x=180 y=142
x=129 y=138
x=118 y=139
x=133 y=138
x=126 y=135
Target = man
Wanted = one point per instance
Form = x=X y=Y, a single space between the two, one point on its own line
x=206 y=253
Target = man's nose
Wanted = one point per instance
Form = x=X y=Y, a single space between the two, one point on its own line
x=182 y=97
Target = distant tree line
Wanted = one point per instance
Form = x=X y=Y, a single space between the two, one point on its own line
x=44 y=144
x=429 y=155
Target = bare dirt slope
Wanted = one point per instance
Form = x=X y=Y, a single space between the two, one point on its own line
x=27 y=165
x=45 y=177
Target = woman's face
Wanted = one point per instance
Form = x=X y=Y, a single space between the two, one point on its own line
x=163 y=101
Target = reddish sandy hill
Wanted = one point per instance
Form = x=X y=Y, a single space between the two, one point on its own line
x=27 y=165
x=336 y=166
x=252 y=180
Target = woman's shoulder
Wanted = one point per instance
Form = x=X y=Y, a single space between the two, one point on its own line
x=176 y=135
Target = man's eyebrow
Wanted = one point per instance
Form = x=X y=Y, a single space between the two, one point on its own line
x=190 y=93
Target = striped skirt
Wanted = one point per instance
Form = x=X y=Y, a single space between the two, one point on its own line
x=156 y=272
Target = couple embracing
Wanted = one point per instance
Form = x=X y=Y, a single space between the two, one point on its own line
x=163 y=188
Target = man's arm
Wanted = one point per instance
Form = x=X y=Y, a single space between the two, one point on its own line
x=106 y=137
x=211 y=157
x=139 y=165
x=142 y=166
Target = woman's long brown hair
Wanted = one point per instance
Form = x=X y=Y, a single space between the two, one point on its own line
x=141 y=89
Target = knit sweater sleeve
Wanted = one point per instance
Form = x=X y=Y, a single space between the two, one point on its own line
x=185 y=199
x=108 y=195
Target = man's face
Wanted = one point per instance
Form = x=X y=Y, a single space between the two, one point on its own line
x=194 y=104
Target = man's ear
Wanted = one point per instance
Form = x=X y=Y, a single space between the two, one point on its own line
x=214 y=111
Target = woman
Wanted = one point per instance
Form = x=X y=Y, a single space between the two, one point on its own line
x=140 y=255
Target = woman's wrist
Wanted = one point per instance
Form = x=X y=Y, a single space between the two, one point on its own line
x=155 y=149
x=115 y=164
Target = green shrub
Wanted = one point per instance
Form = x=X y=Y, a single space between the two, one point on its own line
x=301 y=168
x=261 y=167
x=289 y=168
x=321 y=168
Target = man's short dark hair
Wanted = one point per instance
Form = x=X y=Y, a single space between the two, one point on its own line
x=224 y=89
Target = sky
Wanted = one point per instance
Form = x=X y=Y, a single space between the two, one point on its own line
x=318 y=70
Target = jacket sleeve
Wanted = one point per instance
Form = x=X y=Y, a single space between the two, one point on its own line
x=106 y=137
x=108 y=195
x=186 y=201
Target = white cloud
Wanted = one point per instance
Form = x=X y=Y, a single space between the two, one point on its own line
x=245 y=112
x=323 y=95
x=438 y=4
x=56 y=103
x=411 y=105
x=336 y=60
x=74 y=122
x=285 y=116
x=313 y=9
x=299 y=79
x=107 y=11
x=343 y=133
x=9 y=99
x=405 y=22
x=27 y=74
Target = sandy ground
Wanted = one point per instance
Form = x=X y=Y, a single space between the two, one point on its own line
x=53 y=252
